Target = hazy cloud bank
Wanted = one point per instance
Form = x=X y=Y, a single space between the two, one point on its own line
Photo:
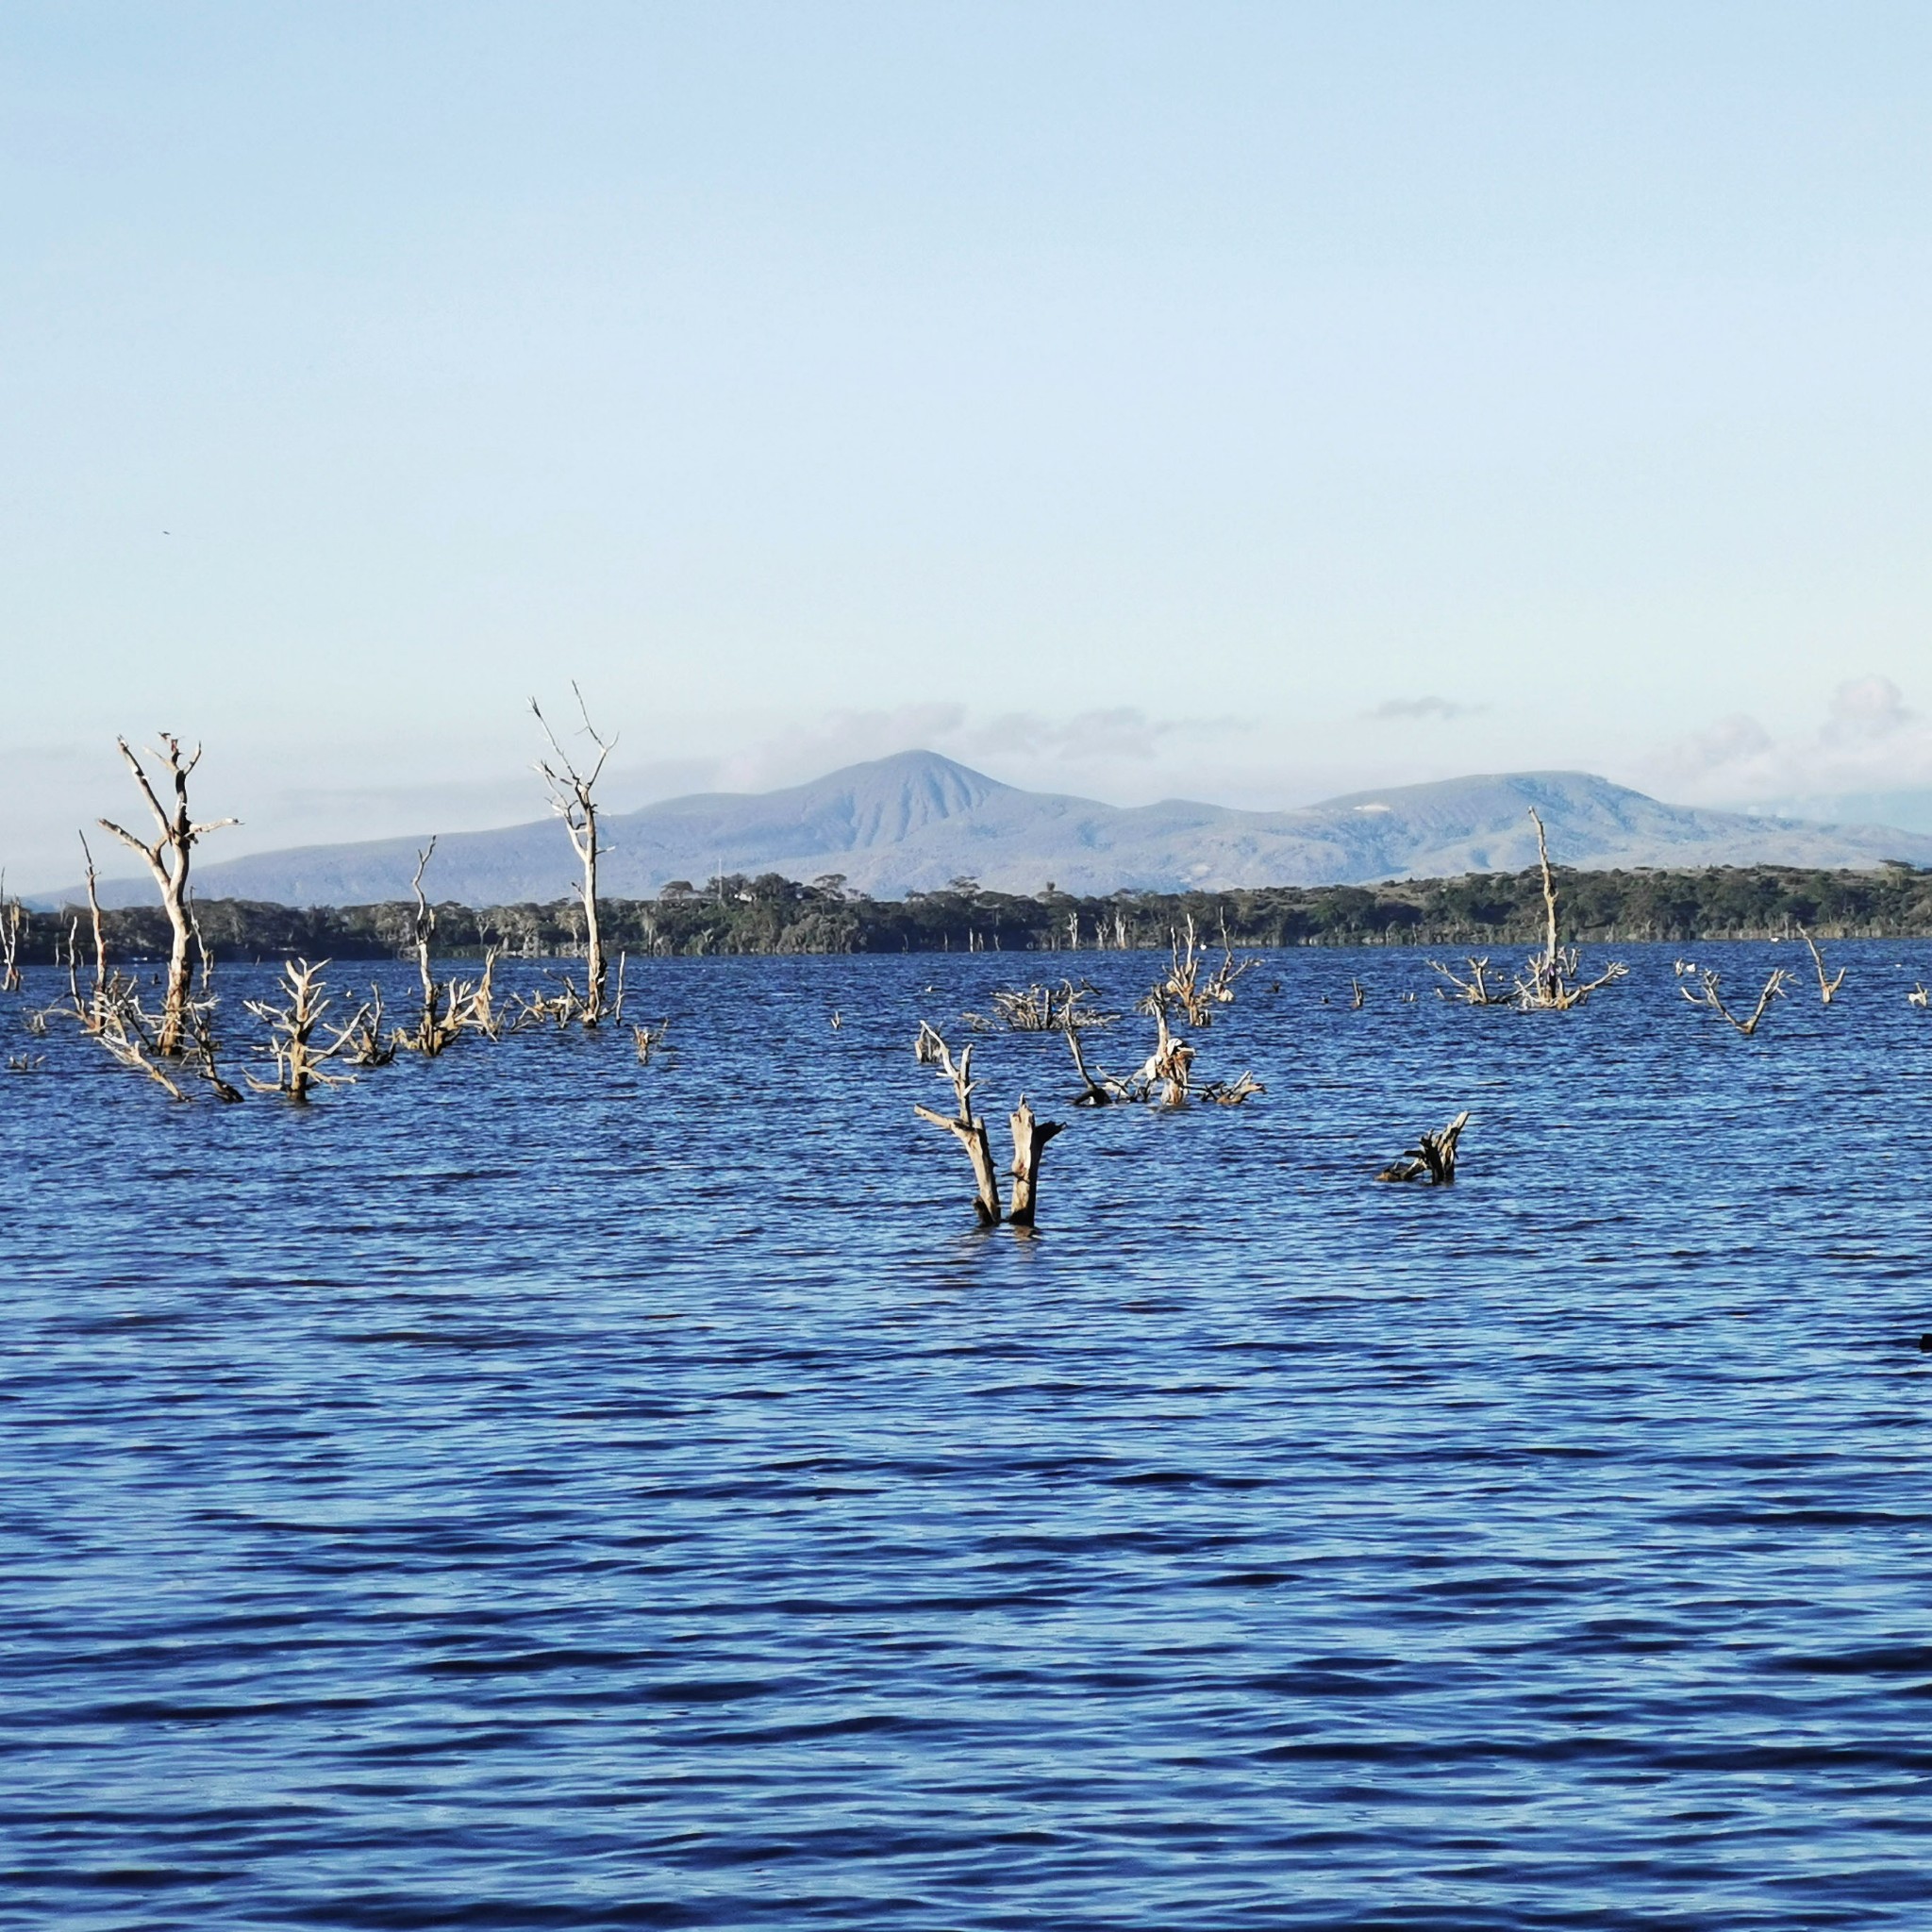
x=1871 y=742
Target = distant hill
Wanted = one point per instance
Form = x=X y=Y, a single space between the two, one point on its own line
x=913 y=822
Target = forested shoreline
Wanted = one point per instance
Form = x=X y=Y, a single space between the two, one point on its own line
x=774 y=915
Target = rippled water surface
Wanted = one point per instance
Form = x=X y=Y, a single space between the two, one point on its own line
x=538 y=1489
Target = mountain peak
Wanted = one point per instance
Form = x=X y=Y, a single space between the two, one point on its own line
x=915 y=820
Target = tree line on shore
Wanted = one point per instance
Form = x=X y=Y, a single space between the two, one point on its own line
x=770 y=914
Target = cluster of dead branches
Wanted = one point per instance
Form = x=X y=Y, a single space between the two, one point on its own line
x=1473 y=986
x=1185 y=990
x=1551 y=978
x=1044 y=1009
x=1166 y=1076
x=296 y=1028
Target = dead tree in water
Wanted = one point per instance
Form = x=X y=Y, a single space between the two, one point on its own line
x=293 y=1028
x=363 y=1043
x=572 y=798
x=1043 y=1009
x=1710 y=993
x=1552 y=983
x=1184 y=986
x=449 y=1008
x=167 y=858
x=1030 y=1136
x=12 y=915
x=1432 y=1160
x=1828 y=988
x=1475 y=991
x=968 y=1127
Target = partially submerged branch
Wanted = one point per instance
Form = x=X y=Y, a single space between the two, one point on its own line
x=1432 y=1160
x=968 y=1128
x=1476 y=989
x=1828 y=988
x=1710 y=993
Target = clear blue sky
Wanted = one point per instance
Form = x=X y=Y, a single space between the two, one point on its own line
x=1321 y=395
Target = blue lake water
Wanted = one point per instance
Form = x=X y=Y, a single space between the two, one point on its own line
x=532 y=1489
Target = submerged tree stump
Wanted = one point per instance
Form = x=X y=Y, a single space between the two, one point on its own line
x=1432 y=1160
x=1030 y=1136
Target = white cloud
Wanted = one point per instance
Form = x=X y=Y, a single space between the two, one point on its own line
x=1869 y=740
x=1431 y=706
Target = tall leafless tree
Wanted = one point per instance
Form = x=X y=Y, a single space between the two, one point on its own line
x=168 y=858
x=12 y=915
x=573 y=797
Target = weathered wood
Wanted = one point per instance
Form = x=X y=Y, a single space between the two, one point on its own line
x=968 y=1128
x=1827 y=986
x=1030 y=1136
x=1432 y=1160
x=1552 y=982
x=573 y=797
x=293 y=1028
x=168 y=858
x=1475 y=991
x=12 y=914
x=1710 y=993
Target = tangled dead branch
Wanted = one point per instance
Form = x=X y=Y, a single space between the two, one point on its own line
x=1186 y=990
x=1044 y=1008
x=447 y=1008
x=294 y=1028
x=1432 y=1160
x=1710 y=993
x=363 y=1043
x=1475 y=991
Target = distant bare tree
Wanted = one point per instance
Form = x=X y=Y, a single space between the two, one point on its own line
x=1710 y=993
x=572 y=798
x=168 y=858
x=11 y=916
x=1551 y=980
x=1827 y=986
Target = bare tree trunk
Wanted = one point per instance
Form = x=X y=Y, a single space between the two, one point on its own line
x=1827 y=986
x=1030 y=1136
x=168 y=859
x=968 y=1128
x=573 y=797
x=11 y=911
